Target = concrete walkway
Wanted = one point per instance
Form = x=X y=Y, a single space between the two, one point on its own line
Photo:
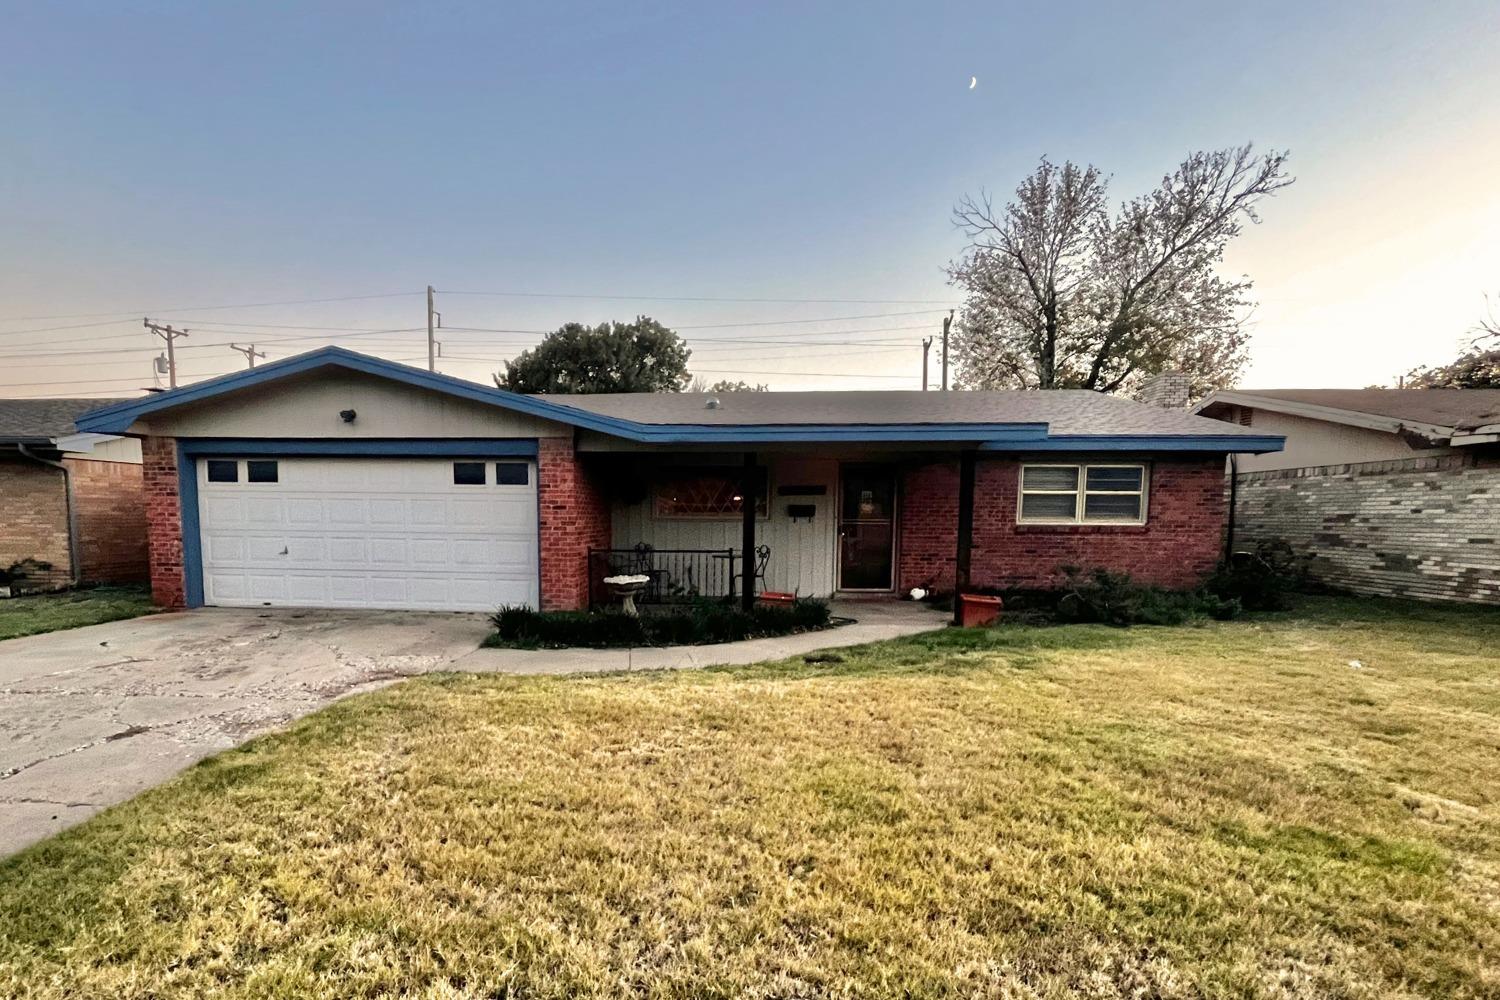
x=91 y=716
x=874 y=621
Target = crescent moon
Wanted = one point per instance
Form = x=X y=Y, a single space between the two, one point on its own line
x=973 y=82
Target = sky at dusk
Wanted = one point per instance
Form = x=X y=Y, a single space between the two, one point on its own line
x=774 y=181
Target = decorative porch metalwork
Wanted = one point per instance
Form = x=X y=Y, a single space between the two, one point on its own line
x=676 y=575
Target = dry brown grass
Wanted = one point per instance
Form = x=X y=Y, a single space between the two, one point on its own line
x=1224 y=811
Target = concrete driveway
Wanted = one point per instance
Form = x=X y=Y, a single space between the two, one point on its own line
x=91 y=716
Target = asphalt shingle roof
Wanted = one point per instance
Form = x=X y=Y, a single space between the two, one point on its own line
x=1065 y=411
x=1456 y=408
x=38 y=420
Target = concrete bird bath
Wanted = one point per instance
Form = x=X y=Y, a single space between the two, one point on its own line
x=625 y=588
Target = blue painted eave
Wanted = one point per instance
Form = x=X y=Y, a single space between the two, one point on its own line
x=118 y=417
x=1243 y=443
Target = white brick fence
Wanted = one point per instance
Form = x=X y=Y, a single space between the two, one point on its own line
x=1421 y=527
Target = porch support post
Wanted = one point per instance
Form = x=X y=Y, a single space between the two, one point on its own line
x=749 y=490
x=965 y=529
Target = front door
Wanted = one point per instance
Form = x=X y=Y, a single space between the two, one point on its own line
x=867 y=527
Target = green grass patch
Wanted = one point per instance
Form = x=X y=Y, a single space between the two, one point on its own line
x=53 y=612
x=1171 y=812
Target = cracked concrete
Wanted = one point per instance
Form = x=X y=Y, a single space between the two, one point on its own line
x=91 y=716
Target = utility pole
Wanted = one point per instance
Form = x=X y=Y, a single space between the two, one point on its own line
x=947 y=324
x=926 y=345
x=250 y=353
x=169 y=335
x=434 y=320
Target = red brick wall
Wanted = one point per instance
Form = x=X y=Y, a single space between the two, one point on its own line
x=163 y=521
x=1177 y=546
x=109 y=510
x=34 y=519
x=574 y=518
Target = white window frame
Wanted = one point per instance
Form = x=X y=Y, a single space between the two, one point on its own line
x=1081 y=494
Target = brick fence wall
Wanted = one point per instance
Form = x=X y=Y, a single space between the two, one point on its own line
x=1422 y=527
x=575 y=517
x=109 y=509
x=34 y=519
x=163 y=521
x=1178 y=546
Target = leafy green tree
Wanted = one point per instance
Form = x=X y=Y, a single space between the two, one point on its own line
x=642 y=356
x=739 y=385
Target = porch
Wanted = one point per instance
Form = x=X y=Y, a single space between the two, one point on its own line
x=815 y=525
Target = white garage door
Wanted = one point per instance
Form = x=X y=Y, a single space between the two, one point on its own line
x=400 y=533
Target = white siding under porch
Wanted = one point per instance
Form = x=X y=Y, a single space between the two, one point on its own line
x=802 y=552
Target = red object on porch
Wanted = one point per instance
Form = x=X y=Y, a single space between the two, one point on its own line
x=978 y=610
x=776 y=597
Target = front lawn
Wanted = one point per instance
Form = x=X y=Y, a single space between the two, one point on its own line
x=71 y=609
x=1231 y=810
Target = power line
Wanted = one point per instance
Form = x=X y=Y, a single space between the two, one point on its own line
x=125 y=314
x=71 y=326
x=702 y=298
x=741 y=371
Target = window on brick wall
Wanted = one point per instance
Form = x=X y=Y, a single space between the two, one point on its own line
x=1082 y=494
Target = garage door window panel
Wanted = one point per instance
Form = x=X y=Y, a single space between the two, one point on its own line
x=258 y=471
x=223 y=471
x=468 y=473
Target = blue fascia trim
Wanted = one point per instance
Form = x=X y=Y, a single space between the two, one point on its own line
x=192 y=539
x=1244 y=443
x=117 y=418
x=354 y=447
x=771 y=433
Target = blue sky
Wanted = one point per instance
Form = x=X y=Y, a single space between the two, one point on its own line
x=165 y=156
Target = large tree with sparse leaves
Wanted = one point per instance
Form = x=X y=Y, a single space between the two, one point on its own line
x=1476 y=368
x=642 y=356
x=1061 y=291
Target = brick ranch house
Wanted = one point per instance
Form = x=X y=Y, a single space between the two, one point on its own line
x=68 y=499
x=1391 y=492
x=334 y=479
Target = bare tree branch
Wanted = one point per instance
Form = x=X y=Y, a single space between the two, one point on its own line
x=1060 y=287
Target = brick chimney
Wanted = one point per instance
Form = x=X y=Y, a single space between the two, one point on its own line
x=1167 y=389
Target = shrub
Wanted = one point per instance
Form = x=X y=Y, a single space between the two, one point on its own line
x=1263 y=579
x=701 y=622
x=1114 y=599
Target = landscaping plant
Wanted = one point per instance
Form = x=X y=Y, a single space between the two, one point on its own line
x=700 y=622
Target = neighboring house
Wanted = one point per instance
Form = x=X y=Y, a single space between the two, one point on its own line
x=1385 y=491
x=334 y=479
x=72 y=500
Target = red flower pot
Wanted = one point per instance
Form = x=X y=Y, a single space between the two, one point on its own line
x=977 y=610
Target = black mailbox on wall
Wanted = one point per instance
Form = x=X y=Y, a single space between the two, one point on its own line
x=797 y=511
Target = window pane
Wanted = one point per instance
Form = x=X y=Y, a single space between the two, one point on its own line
x=222 y=470
x=690 y=494
x=512 y=474
x=1048 y=506
x=1112 y=507
x=260 y=472
x=1117 y=478
x=1049 y=477
x=468 y=473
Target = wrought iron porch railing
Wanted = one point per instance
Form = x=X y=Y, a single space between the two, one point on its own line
x=675 y=574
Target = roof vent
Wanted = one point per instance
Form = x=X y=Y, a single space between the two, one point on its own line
x=712 y=403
